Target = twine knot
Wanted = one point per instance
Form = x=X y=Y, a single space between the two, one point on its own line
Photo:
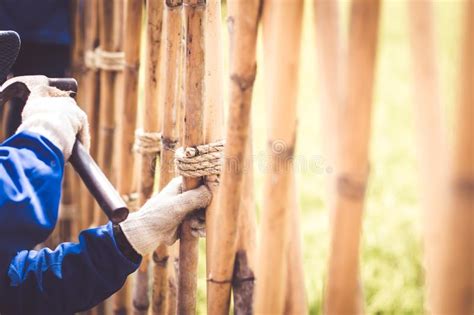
x=201 y=160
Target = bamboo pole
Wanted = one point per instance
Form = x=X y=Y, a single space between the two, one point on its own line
x=214 y=111
x=343 y=291
x=151 y=123
x=110 y=41
x=282 y=21
x=243 y=23
x=195 y=17
x=173 y=32
x=126 y=179
x=453 y=292
x=243 y=282
x=430 y=134
x=91 y=101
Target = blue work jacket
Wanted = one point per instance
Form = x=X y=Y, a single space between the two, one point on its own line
x=73 y=277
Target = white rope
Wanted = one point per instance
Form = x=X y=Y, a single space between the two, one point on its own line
x=147 y=142
x=201 y=160
x=105 y=60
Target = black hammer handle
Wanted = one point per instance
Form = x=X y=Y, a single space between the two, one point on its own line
x=98 y=185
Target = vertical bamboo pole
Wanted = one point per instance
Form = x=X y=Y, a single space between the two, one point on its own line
x=91 y=100
x=173 y=32
x=126 y=179
x=282 y=21
x=151 y=123
x=214 y=111
x=195 y=17
x=329 y=56
x=243 y=282
x=343 y=292
x=430 y=135
x=243 y=23
x=453 y=292
x=109 y=32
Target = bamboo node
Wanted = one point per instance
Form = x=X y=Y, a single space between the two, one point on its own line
x=67 y=211
x=131 y=200
x=200 y=160
x=147 y=142
x=105 y=60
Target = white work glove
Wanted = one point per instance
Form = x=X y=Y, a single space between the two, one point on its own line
x=158 y=220
x=51 y=113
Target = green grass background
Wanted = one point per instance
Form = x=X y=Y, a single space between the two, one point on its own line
x=391 y=250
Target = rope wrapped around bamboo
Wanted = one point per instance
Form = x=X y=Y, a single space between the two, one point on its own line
x=147 y=142
x=201 y=160
x=131 y=200
x=105 y=60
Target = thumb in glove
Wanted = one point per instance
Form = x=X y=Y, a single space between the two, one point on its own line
x=158 y=220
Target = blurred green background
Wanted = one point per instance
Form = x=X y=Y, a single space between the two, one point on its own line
x=391 y=250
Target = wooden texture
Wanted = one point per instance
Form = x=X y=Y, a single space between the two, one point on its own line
x=214 y=111
x=243 y=23
x=282 y=35
x=110 y=31
x=195 y=18
x=453 y=292
x=126 y=177
x=430 y=135
x=343 y=295
x=243 y=282
x=90 y=89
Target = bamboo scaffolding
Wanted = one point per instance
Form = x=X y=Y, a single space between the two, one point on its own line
x=173 y=32
x=195 y=17
x=282 y=21
x=110 y=31
x=453 y=292
x=90 y=89
x=126 y=179
x=430 y=134
x=343 y=294
x=243 y=23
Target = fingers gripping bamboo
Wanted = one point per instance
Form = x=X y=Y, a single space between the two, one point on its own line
x=343 y=292
x=243 y=29
x=282 y=20
x=430 y=134
x=195 y=17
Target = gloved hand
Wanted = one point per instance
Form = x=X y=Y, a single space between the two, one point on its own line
x=158 y=220
x=50 y=112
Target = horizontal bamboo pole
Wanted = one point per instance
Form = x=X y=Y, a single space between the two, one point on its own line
x=243 y=23
x=282 y=20
x=343 y=295
x=195 y=18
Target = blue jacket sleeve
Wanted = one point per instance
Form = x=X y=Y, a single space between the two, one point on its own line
x=70 y=279
x=31 y=170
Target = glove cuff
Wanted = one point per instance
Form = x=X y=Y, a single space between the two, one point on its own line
x=140 y=233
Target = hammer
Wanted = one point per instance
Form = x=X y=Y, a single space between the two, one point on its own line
x=96 y=182
x=94 y=179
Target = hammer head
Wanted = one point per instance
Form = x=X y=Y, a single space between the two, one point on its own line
x=20 y=87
